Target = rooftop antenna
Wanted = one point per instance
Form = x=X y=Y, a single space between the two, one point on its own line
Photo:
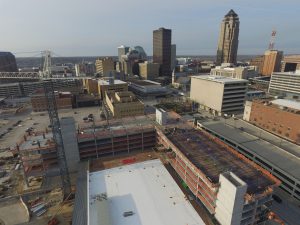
x=272 y=40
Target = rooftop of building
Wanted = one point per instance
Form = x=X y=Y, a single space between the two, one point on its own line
x=233 y=68
x=291 y=58
x=117 y=127
x=144 y=82
x=41 y=92
x=297 y=73
x=213 y=159
x=6 y=54
x=162 y=28
x=275 y=150
x=113 y=192
x=36 y=141
x=287 y=103
x=231 y=13
x=272 y=51
x=122 y=97
x=219 y=79
x=113 y=81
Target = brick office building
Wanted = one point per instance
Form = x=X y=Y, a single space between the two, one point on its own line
x=280 y=116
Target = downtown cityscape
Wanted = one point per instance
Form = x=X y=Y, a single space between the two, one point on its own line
x=152 y=138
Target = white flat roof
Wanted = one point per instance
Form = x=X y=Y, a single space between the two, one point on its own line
x=106 y=82
x=220 y=79
x=287 y=103
x=147 y=189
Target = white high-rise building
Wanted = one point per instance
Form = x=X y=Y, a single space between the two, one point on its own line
x=219 y=94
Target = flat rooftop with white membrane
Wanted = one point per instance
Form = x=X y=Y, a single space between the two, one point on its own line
x=146 y=189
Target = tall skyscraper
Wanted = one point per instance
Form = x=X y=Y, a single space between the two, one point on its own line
x=162 y=50
x=122 y=50
x=228 y=39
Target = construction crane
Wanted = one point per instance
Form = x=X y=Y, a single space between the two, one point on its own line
x=57 y=136
x=272 y=40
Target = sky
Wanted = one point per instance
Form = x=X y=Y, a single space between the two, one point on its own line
x=98 y=27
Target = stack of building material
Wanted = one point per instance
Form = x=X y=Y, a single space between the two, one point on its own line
x=39 y=209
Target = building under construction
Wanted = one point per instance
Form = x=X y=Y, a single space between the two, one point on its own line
x=218 y=176
x=37 y=151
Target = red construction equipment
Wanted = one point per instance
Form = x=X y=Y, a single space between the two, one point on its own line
x=53 y=221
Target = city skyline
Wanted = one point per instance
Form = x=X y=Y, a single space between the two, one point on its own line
x=68 y=30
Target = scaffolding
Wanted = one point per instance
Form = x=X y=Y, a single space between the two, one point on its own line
x=38 y=156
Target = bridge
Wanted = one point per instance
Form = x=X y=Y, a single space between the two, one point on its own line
x=20 y=75
x=11 y=76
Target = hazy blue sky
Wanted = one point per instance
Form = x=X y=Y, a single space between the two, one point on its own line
x=98 y=27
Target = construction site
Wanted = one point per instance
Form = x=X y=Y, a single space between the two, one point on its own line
x=38 y=155
x=200 y=160
x=227 y=185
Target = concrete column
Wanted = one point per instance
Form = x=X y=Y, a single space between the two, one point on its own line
x=68 y=131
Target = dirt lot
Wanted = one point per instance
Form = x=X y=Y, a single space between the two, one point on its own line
x=13 y=212
x=39 y=121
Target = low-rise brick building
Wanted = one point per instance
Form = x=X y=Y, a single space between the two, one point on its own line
x=280 y=116
x=39 y=101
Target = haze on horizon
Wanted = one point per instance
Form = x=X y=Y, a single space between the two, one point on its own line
x=94 y=28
